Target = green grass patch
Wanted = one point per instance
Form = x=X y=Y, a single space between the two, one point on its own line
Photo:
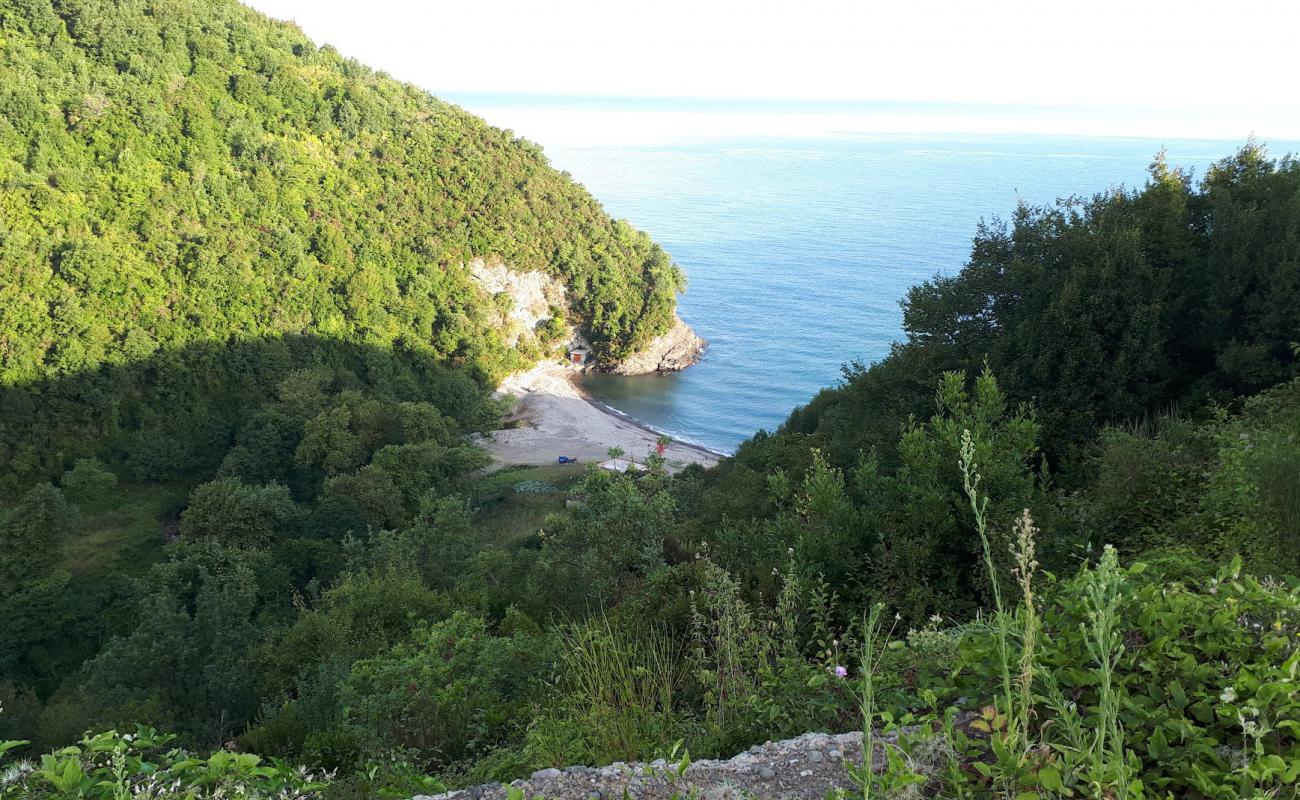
x=516 y=500
x=124 y=532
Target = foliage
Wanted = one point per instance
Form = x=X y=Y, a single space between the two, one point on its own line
x=237 y=286
x=184 y=665
x=1139 y=686
x=622 y=695
x=1100 y=310
x=613 y=537
x=238 y=515
x=1221 y=487
x=450 y=694
x=182 y=174
x=112 y=765
x=88 y=481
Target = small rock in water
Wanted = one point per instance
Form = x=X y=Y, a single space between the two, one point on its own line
x=767 y=773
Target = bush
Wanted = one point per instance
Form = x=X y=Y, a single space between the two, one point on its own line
x=452 y=693
x=239 y=515
x=1203 y=689
x=111 y=765
x=88 y=481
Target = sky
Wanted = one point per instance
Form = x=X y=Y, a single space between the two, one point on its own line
x=1188 y=68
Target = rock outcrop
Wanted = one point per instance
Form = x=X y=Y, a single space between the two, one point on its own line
x=534 y=297
x=804 y=768
x=675 y=350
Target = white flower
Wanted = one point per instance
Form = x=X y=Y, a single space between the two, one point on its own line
x=1229 y=694
x=1248 y=726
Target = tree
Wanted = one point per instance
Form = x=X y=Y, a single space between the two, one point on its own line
x=185 y=665
x=238 y=515
x=449 y=695
x=616 y=534
x=924 y=547
x=32 y=535
x=88 y=481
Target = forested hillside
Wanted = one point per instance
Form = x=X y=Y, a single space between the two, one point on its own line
x=180 y=174
x=1052 y=538
x=1174 y=295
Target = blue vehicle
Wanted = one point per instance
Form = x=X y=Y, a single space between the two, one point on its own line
x=566 y=460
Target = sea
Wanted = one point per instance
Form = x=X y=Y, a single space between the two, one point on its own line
x=801 y=229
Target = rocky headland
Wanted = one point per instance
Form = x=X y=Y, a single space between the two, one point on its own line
x=675 y=350
x=531 y=298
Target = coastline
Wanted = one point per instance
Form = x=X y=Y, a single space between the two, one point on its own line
x=554 y=418
x=706 y=452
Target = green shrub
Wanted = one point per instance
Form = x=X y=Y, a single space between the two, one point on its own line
x=1206 y=672
x=238 y=515
x=450 y=694
x=88 y=481
x=109 y=765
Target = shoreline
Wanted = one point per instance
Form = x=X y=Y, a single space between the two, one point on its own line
x=560 y=419
x=631 y=420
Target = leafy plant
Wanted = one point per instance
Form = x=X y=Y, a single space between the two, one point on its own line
x=112 y=766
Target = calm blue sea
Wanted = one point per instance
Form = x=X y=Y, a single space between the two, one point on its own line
x=798 y=250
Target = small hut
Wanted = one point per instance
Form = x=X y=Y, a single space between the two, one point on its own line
x=579 y=356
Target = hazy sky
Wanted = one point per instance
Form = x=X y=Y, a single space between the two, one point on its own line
x=1227 y=66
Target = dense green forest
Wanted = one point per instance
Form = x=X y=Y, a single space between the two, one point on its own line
x=241 y=355
x=179 y=175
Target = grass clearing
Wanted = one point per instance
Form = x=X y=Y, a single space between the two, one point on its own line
x=516 y=500
x=122 y=532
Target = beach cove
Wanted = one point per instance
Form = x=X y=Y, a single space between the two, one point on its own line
x=552 y=417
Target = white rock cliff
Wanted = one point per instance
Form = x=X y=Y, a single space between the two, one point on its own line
x=534 y=296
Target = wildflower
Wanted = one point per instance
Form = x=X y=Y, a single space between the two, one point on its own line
x=1248 y=726
x=1229 y=694
x=841 y=672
